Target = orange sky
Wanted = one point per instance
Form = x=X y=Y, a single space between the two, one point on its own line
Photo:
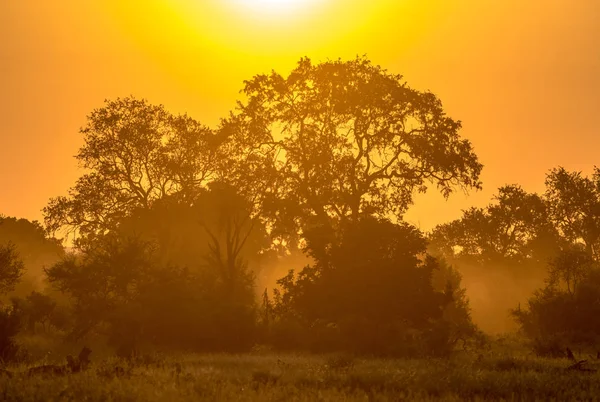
x=523 y=76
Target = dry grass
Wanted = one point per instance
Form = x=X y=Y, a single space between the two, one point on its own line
x=309 y=378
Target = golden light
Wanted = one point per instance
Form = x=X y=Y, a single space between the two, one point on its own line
x=274 y=7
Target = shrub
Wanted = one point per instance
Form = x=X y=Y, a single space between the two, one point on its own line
x=10 y=324
x=370 y=291
x=565 y=311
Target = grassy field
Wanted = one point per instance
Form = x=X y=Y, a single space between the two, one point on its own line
x=269 y=377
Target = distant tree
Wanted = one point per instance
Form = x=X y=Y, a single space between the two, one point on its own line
x=11 y=268
x=506 y=245
x=341 y=139
x=569 y=269
x=574 y=207
x=135 y=153
x=35 y=249
x=510 y=232
x=564 y=311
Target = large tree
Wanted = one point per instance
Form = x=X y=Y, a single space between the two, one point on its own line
x=341 y=139
x=134 y=153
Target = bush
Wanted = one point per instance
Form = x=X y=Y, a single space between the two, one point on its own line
x=121 y=290
x=565 y=311
x=10 y=324
x=370 y=291
x=11 y=268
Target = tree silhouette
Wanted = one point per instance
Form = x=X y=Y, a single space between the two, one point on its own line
x=569 y=268
x=505 y=245
x=170 y=214
x=340 y=139
x=35 y=249
x=217 y=232
x=564 y=311
x=513 y=230
x=232 y=231
x=373 y=282
x=11 y=268
x=174 y=275
x=574 y=207
x=135 y=153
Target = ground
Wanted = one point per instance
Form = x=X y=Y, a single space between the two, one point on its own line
x=263 y=376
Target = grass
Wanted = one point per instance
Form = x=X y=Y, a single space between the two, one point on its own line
x=271 y=377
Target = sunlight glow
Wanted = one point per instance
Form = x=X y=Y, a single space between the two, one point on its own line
x=274 y=7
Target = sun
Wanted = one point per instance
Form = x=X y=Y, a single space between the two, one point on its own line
x=274 y=6
x=272 y=3
x=276 y=2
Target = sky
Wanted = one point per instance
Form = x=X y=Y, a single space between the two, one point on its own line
x=522 y=76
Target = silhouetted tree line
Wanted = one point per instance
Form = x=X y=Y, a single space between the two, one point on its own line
x=522 y=234
x=173 y=220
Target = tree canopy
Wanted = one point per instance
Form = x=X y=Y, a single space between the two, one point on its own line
x=340 y=139
x=172 y=217
x=511 y=231
x=574 y=207
x=134 y=153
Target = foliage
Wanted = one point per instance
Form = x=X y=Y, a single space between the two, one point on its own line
x=135 y=153
x=456 y=316
x=370 y=291
x=10 y=325
x=512 y=231
x=501 y=250
x=34 y=248
x=341 y=139
x=565 y=309
x=186 y=235
x=38 y=308
x=173 y=219
x=11 y=268
x=129 y=287
x=574 y=206
x=220 y=244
